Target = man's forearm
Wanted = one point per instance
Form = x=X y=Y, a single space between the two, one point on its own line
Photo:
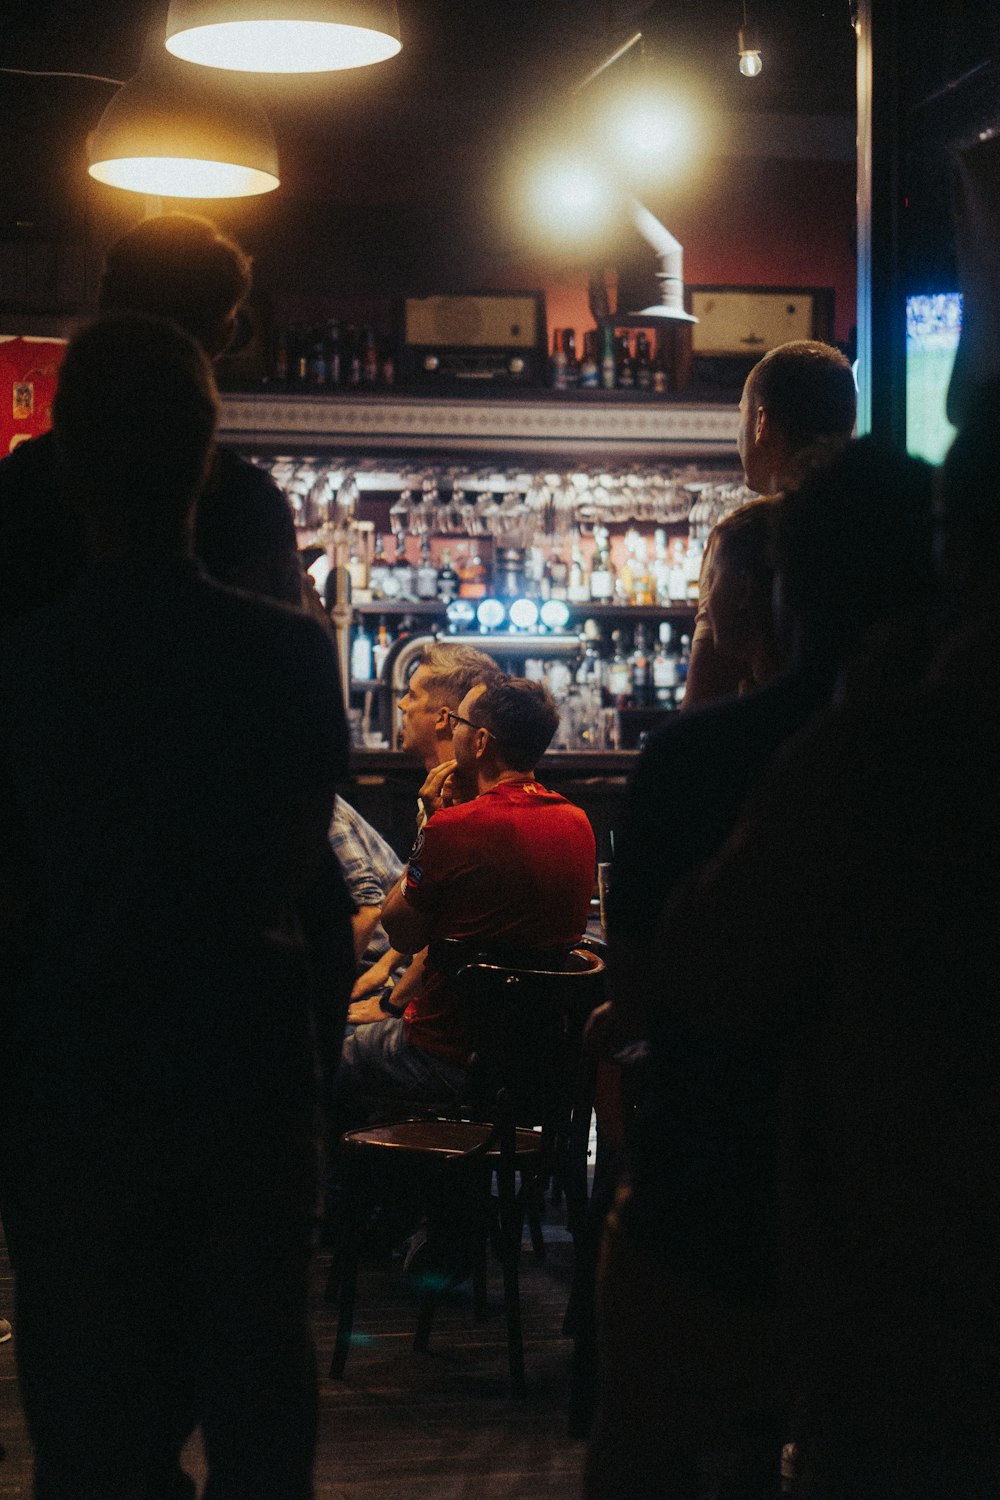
x=407 y=929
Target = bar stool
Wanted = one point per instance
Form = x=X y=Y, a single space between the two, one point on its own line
x=527 y=1079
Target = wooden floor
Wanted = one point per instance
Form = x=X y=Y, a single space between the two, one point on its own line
x=434 y=1426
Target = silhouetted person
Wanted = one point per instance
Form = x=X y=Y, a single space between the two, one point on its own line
x=851 y=919
x=688 y=1348
x=168 y=755
x=797 y=411
x=176 y=266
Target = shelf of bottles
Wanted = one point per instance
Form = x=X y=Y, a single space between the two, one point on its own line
x=608 y=557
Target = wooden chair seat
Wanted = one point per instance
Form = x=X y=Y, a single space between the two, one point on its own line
x=439 y=1138
x=527 y=1071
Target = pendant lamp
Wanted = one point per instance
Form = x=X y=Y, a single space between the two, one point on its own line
x=174 y=131
x=283 y=36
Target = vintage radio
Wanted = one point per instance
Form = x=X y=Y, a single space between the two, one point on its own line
x=489 y=337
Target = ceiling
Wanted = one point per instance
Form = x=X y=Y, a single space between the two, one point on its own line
x=471 y=64
x=411 y=148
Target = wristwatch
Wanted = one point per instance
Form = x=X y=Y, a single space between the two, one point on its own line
x=386 y=1004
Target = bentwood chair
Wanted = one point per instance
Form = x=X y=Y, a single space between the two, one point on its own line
x=528 y=1082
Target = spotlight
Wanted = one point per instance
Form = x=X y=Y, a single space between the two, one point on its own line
x=568 y=194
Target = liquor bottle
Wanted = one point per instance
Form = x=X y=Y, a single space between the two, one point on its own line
x=643 y=581
x=333 y=353
x=589 y=372
x=660 y=381
x=664 y=670
x=357 y=568
x=692 y=568
x=678 y=572
x=639 y=669
x=683 y=662
x=361 y=655
x=602 y=577
x=569 y=354
x=643 y=363
x=510 y=573
x=380 y=650
x=578 y=590
x=427 y=573
x=369 y=356
x=402 y=572
x=378 y=570
x=471 y=577
x=280 y=363
x=625 y=367
x=447 y=583
x=299 y=352
x=619 y=680
x=591 y=669
x=625 y=582
x=352 y=358
x=557 y=571
x=660 y=568
x=557 y=365
x=388 y=371
x=534 y=574
x=609 y=371
x=318 y=367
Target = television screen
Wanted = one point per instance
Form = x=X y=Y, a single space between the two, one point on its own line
x=933 y=325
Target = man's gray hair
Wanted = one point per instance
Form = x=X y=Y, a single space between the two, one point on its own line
x=453 y=670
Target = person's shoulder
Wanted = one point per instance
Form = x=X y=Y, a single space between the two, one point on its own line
x=240 y=491
x=268 y=619
x=29 y=456
x=234 y=471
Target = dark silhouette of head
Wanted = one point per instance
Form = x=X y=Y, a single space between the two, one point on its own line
x=134 y=418
x=800 y=396
x=178 y=266
x=854 y=550
x=739 y=585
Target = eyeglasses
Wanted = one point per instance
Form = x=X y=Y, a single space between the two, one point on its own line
x=457 y=719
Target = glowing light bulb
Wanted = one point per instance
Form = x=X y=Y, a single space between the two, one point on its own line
x=569 y=196
x=648 y=131
x=750 y=64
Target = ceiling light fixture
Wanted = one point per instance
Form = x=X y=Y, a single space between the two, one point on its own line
x=749 y=47
x=283 y=36
x=174 y=131
x=581 y=195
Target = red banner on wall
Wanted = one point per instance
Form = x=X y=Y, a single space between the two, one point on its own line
x=29 y=368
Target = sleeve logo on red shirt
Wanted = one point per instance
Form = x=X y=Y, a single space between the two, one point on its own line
x=418 y=844
x=414 y=874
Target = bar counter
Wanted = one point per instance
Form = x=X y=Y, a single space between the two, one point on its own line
x=386 y=783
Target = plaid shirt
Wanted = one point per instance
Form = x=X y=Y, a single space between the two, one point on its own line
x=370 y=867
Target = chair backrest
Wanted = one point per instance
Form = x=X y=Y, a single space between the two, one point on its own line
x=527 y=1028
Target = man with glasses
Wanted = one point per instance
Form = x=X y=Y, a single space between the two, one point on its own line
x=442 y=678
x=503 y=867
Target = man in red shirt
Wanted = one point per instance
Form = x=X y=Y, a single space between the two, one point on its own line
x=503 y=866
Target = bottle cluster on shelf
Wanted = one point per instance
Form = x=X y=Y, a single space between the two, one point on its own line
x=611 y=675
x=608 y=360
x=398 y=570
x=327 y=357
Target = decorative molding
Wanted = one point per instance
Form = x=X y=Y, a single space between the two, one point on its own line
x=648 y=429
